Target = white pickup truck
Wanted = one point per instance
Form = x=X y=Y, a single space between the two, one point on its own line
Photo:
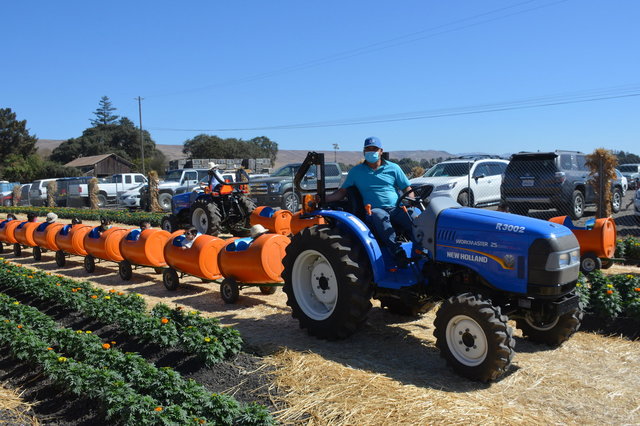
x=108 y=188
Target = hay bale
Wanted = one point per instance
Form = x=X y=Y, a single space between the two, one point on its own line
x=602 y=164
x=153 y=191
x=15 y=200
x=93 y=193
x=52 y=189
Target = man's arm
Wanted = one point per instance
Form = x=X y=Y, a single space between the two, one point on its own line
x=337 y=195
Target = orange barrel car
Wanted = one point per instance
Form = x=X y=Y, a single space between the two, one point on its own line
x=103 y=245
x=143 y=248
x=70 y=240
x=24 y=236
x=299 y=222
x=597 y=241
x=276 y=221
x=200 y=260
x=248 y=261
x=7 y=232
x=45 y=238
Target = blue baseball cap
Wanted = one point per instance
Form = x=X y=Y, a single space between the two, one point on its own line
x=372 y=141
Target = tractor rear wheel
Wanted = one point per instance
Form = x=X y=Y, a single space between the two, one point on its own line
x=206 y=217
x=246 y=207
x=474 y=337
x=551 y=331
x=327 y=279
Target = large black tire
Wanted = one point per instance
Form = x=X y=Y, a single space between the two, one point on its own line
x=290 y=201
x=89 y=264
x=464 y=199
x=327 y=279
x=576 y=208
x=206 y=217
x=37 y=253
x=474 y=337
x=589 y=262
x=241 y=227
x=553 y=331
x=61 y=259
x=17 y=250
x=125 y=270
x=229 y=291
x=616 y=200
x=170 y=279
x=400 y=307
x=169 y=223
x=164 y=200
x=102 y=200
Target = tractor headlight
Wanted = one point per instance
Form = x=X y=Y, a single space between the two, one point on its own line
x=275 y=187
x=446 y=187
x=562 y=260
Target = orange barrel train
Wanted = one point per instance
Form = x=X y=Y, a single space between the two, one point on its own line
x=24 y=236
x=597 y=241
x=45 y=238
x=276 y=221
x=143 y=248
x=103 y=245
x=247 y=261
x=7 y=232
x=70 y=240
x=199 y=260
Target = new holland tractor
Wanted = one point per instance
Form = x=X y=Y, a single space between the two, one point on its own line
x=221 y=207
x=485 y=267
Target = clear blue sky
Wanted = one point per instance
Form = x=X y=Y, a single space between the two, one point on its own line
x=434 y=66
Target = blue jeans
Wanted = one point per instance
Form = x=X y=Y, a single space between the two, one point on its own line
x=382 y=221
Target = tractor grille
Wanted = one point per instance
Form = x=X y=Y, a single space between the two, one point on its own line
x=259 y=188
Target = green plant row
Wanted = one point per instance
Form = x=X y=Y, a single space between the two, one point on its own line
x=628 y=248
x=116 y=216
x=203 y=337
x=169 y=398
x=610 y=296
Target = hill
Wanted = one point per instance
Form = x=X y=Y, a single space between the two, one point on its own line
x=174 y=152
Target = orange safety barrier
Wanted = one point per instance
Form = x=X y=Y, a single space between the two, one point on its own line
x=7 y=232
x=298 y=223
x=599 y=240
x=146 y=248
x=201 y=260
x=257 y=261
x=107 y=246
x=71 y=240
x=24 y=233
x=46 y=239
x=276 y=221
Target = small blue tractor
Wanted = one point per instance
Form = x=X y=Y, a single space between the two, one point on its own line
x=221 y=207
x=483 y=267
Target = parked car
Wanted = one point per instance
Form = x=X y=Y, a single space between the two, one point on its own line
x=623 y=181
x=131 y=198
x=470 y=180
x=24 y=194
x=174 y=179
x=545 y=180
x=6 y=192
x=636 y=206
x=109 y=188
x=38 y=192
x=632 y=173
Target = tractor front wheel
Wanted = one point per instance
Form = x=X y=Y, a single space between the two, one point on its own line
x=474 y=337
x=327 y=279
x=550 y=331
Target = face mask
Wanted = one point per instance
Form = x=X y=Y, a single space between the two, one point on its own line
x=371 y=156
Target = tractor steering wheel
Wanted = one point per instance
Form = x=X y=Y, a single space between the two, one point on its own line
x=421 y=195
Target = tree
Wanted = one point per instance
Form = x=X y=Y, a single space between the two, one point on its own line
x=104 y=114
x=15 y=141
x=208 y=146
x=627 y=158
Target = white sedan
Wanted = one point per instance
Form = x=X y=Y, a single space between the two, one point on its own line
x=636 y=205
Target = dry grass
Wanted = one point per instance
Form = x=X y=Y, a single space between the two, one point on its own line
x=13 y=410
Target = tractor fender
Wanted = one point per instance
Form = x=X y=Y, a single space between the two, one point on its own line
x=352 y=224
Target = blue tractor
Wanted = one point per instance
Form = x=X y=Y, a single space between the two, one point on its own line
x=483 y=267
x=221 y=207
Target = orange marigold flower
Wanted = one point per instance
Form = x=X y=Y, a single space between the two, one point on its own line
x=120 y=293
x=112 y=291
x=609 y=291
x=164 y=320
x=49 y=349
x=158 y=409
x=74 y=290
x=637 y=289
x=93 y=296
x=113 y=343
x=106 y=346
x=58 y=284
x=19 y=325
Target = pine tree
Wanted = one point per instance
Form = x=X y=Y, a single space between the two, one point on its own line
x=104 y=114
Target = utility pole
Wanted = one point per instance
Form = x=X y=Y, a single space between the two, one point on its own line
x=335 y=152
x=139 y=99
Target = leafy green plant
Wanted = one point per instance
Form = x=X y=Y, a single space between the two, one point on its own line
x=116 y=216
x=628 y=248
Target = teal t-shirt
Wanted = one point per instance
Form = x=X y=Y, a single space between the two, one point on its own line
x=378 y=187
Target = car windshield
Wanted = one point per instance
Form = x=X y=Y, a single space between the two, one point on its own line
x=628 y=169
x=6 y=187
x=286 y=171
x=173 y=176
x=448 y=169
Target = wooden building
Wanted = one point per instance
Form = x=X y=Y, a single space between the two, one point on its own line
x=101 y=165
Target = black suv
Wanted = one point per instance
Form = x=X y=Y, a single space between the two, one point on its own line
x=545 y=180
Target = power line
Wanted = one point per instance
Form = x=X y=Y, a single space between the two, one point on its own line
x=413 y=37
x=593 y=95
